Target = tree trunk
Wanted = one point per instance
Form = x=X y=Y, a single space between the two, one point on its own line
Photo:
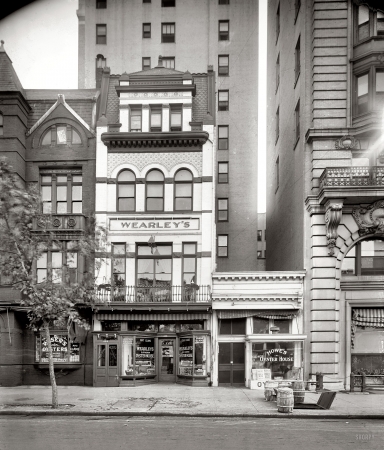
x=55 y=399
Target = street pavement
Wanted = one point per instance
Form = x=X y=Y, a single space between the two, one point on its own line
x=177 y=400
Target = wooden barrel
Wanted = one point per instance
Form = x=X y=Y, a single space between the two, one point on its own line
x=285 y=400
x=269 y=392
x=298 y=391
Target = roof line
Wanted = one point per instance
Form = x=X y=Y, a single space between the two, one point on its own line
x=60 y=100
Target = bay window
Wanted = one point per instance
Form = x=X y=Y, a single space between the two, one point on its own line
x=61 y=191
x=369 y=91
x=368 y=23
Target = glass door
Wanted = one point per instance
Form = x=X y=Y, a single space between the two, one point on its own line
x=105 y=371
x=167 y=369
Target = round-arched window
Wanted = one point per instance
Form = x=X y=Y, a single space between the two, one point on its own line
x=126 y=186
x=365 y=258
x=61 y=134
x=155 y=191
x=183 y=190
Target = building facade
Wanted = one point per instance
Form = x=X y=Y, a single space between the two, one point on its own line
x=49 y=138
x=129 y=37
x=325 y=192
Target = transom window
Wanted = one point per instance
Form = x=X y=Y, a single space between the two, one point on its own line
x=183 y=190
x=61 y=192
x=263 y=325
x=61 y=134
x=126 y=185
x=365 y=258
x=155 y=191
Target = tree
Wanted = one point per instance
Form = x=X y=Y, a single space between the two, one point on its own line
x=51 y=297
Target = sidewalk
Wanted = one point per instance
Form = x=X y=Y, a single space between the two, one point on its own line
x=177 y=400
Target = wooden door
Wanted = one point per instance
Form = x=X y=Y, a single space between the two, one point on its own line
x=231 y=364
x=167 y=360
x=106 y=364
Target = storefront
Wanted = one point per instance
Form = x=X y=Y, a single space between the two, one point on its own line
x=151 y=348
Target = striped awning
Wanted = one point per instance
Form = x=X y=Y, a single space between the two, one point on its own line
x=265 y=314
x=368 y=317
x=152 y=316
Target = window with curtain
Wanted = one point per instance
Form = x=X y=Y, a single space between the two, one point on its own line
x=154 y=191
x=126 y=190
x=183 y=190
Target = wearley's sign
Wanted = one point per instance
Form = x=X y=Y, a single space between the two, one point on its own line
x=154 y=224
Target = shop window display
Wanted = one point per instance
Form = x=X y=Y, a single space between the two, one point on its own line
x=63 y=349
x=138 y=356
x=192 y=356
x=282 y=359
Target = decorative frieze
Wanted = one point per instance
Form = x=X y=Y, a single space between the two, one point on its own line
x=370 y=219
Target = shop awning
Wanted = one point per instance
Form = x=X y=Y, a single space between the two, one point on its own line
x=368 y=317
x=265 y=314
x=152 y=316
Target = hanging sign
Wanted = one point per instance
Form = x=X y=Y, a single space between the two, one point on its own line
x=151 y=225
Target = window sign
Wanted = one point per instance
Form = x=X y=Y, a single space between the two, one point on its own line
x=145 y=356
x=200 y=355
x=59 y=345
x=186 y=356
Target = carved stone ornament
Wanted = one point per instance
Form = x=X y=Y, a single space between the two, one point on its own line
x=71 y=222
x=332 y=221
x=346 y=142
x=370 y=219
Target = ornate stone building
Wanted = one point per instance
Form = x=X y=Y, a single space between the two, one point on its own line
x=325 y=172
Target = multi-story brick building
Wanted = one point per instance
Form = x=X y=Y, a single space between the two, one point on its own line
x=129 y=37
x=49 y=138
x=324 y=169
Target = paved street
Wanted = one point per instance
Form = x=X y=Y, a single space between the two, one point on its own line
x=140 y=433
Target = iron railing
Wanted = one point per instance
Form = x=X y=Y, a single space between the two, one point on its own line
x=154 y=294
x=352 y=176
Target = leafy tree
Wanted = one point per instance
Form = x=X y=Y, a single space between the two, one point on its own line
x=25 y=235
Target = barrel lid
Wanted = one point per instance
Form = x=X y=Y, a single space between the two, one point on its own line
x=284 y=389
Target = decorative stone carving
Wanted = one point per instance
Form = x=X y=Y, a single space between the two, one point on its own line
x=370 y=219
x=71 y=222
x=332 y=221
x=347 y=142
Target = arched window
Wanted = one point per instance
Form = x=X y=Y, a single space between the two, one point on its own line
x=183 y=190
x=61 y=134
x=155 y=191
x=126 y=184
x=365 y=258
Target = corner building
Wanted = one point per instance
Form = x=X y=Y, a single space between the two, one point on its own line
x=130 y=35
x=155 y=194
x=325 y=172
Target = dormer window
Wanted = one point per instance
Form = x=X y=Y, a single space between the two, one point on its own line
x=61 y=134
x=175 y=117
x=135 y=119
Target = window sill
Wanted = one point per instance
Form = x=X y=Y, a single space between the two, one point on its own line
x=59 y=365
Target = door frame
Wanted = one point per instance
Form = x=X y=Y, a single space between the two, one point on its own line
x=231 y=364
x=108 y=368
x=171 y=378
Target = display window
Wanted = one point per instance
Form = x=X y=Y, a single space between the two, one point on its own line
x=138 y=356
x=278 y=360
x=263 y=325
x=63 y=349
x=192 y=356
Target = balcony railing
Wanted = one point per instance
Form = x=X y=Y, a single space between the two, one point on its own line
x=358 y=176
x=154 y=294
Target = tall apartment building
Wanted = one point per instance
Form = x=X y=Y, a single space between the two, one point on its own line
x=200 y=36
x=325 y=173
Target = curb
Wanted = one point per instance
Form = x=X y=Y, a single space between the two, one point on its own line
x=181 y=414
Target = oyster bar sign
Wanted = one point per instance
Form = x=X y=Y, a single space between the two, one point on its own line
x=171 y=224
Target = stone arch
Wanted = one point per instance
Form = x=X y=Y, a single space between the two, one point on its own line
x=157 y=166
x=124 y=166
x=187 y=166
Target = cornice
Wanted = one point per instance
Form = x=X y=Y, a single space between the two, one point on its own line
x=144 y=140
x=256 y=276
x=157 y=88
x=327 y=133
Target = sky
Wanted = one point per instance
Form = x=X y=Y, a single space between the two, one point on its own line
x=41 y=40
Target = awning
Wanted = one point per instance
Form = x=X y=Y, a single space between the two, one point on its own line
x=368 y=317
x=265 y=314
x=152 y=316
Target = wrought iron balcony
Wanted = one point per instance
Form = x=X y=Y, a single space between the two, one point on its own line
x=359 y=176
x=153 y=294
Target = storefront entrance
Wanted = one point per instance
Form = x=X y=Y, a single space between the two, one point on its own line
x=106 y=364
x=231 y=364
x=167 y=372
